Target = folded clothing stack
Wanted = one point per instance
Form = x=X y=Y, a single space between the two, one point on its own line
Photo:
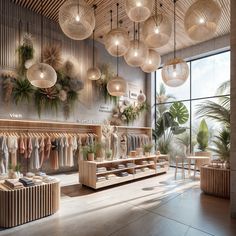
x=101 y=178
x=123 y=174
x=26 y=182
x=138 y=171
x=130 y=164
x=30 y=174
x=49 y=179
x=121 y=166
x=111 y=176
x=13 y=184
x=151 y=162
x=101 y=169
x=145 y=169
x=3 y=176
x=41 y=174
x=37 y=181
x=144 y=162
x=111 y=168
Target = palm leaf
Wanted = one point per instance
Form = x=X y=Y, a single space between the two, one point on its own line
x=224 y=88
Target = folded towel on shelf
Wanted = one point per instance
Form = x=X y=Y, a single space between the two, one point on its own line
x=130 y=164
x=138 y=171
x=26 y=182
x=111 y=176
x=151 y=162
x=145 y=169
x=111 y=168
x=101 y=169
x=123 y=174
x=144 y=162
x=101 y=178
x=120 y=166
x=13 y=184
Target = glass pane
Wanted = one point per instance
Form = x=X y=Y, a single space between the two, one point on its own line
x=201 y=110
x=179 y=93
x=174 y=141
x=209 y=73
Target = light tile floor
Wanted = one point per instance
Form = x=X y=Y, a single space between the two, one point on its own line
x=149 y=207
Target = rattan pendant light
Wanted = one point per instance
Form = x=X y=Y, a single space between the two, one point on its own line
x=139 y=10
x=201 y=19
x=117 y=40
x=117 y=86
x=94 y=72
x=157 y=29
x=137 y=52
x=76 y=19
x=41 y=75
x=152 y=62
x=175 y=72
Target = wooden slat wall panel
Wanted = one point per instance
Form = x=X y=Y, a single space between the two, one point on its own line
x=28 y=204
x=103 y=21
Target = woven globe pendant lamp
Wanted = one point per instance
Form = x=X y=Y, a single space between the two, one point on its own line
x=41 y=75
x=76 y=19
x=152 y=62
x=201 y=19
x=94 y=72
x=139 y=10
x=117 y=40
x=137 y=52
x=157 y=30
x=175 y=71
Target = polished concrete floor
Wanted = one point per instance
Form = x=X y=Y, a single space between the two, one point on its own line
x=149 y=207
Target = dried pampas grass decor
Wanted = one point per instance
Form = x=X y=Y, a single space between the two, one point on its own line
x=52 y=56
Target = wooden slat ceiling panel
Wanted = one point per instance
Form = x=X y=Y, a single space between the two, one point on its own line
x=51 y=9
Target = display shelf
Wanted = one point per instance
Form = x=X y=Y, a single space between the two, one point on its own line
x=88 y=174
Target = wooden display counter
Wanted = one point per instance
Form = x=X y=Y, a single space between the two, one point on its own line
x=215 y=181
x=88 y=170
x=27 y=204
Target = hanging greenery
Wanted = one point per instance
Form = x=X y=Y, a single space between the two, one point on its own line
x=106 y=76
x=22 y=91
x=25 y=53
x=127 y=113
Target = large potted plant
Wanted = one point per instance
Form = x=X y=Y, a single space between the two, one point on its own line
x=203 y=139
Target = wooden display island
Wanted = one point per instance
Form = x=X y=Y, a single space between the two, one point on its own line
x=27 y=204
x=215 y=181
x=153 y=165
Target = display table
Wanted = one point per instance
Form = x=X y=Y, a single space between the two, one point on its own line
x=155 y=164
x=215 y=181
x=27 y=204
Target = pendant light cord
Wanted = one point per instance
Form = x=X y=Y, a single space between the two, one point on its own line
x=175 y=28
x=117 y=58
x=94 y=9
x=111 y=18
x=41 y=30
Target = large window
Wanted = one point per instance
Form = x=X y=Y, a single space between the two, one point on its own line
x=206 y=90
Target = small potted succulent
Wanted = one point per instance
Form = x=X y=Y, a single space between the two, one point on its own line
x=90 y=151
x=108 y=154
x=147 y=149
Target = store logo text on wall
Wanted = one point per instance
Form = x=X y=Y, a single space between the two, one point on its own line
x=15 y=115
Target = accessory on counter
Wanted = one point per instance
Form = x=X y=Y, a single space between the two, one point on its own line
x=30 y=174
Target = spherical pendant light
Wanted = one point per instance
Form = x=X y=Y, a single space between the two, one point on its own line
x=152 y=61
x=94 y=73
x=136 y=54
x=41 y=75
x=201 y=19
x=157 y=31
x=139 y=10
x=76 y=19
x=117 y=86
x=117 y=42
x=175 y=72
x=141 y=97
